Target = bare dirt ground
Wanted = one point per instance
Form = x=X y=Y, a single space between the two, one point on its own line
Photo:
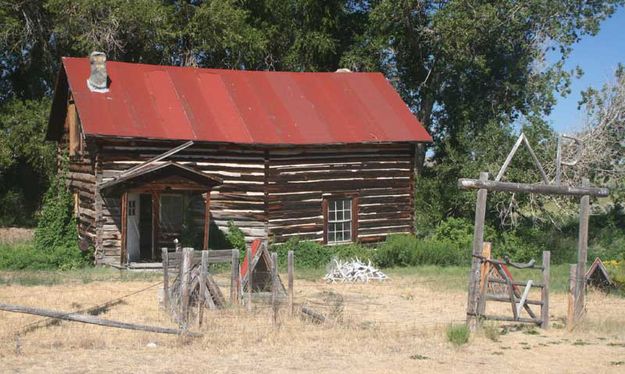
x=396 y=326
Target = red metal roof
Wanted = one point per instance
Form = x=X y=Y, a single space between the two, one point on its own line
x=236 y=106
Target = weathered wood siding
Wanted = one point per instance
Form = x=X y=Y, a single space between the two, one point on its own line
x=240 y=199
x=276 y=192
x=299 y=178
x=81 y=180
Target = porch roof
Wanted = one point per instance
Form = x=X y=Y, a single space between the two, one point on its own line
x=163 y=172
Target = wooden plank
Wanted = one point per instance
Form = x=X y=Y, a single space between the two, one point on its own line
x=249 y=275
x=124 y=219
x=512 y=319
x=582 y=253
x=290 y=266
x=215 y=256
x=75 y=317
x=478 y=243
x=526 y=291
x=274 y=288
x=156 y=221
x=207 y=219
x=514 y=283
x=506 y=299
x=544 y=293
x=570 y=312
x=504 y=167
x=235 y=279
x=484 y=270
x=532 y=188
x=158 y=158
x=185 y=284
x=165 y=259
x=203 y=280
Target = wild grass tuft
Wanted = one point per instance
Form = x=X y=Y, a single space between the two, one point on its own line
x=458 y=334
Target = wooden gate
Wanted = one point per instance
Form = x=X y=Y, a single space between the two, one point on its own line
x=498 y=285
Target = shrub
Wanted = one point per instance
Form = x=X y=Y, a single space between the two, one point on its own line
x=407 y=250
x=56 y=236
x=454 y=230
x=397 y=250
x=312 y=255
x=236 y=238
x=458 y=334
x=27 y=256
x=308 y=254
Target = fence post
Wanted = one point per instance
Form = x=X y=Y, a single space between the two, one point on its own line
x=484 y=270
x=570 y=313
x=478 y=241
x=582 y=253
x=187 y=256
x=165 y=257
x=235 y=278
x=290 y=266
x=274 y=287
x=544 y=309
x=249 y=278
x=203 y=280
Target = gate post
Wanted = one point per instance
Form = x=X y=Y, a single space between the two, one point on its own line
x=478 y=242
x=544 y=309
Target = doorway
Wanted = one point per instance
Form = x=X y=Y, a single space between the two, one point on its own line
x=139 y=236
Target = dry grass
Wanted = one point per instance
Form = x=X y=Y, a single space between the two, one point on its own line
x=397 y=326
x=15 y=235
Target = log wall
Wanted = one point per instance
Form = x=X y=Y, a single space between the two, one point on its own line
x=81 y=180
x=381 y=176
x=240 y=199
x=275 y=192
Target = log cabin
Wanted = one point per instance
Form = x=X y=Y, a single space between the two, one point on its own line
x=158 y=153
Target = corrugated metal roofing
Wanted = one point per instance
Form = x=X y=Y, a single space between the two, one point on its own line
x=235 y=106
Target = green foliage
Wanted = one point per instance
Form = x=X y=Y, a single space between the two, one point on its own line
x=25 y=160
x=56 y=236
x=236 y=238
x=29 y=257
x=407 y=250
x=312 y=255
x=458 y=334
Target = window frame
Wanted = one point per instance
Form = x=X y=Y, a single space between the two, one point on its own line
x=182 y=198
x=327 y=198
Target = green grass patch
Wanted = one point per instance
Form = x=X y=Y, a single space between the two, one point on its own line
x=84 y=275
x=458 y=334
x=26 y=256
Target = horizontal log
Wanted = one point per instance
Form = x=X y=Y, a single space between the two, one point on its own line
x=546 y=189
x=506 y=299
x=214 y=256
x=89 y=319
x=514 y=283
x=512 y=319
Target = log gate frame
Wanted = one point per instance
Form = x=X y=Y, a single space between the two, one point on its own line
x=484 y=185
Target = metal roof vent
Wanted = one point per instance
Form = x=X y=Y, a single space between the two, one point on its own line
x=343 y=70
x=98 y=79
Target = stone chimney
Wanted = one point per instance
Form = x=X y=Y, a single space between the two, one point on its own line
x=98 y=80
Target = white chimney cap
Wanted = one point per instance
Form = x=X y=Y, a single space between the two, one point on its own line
x=98 y=80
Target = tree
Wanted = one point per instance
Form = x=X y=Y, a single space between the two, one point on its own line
x=473 y=72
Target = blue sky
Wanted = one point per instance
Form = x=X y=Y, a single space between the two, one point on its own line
x=598 y=57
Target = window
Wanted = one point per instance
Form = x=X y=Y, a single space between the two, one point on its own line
x=172 y=212
x=339 y=220
x=132 y=207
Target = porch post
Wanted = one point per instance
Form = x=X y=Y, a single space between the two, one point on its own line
x=124 y=218
x=207 y=218
x=156 y=221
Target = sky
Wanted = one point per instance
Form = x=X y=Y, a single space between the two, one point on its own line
x=598 y=57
